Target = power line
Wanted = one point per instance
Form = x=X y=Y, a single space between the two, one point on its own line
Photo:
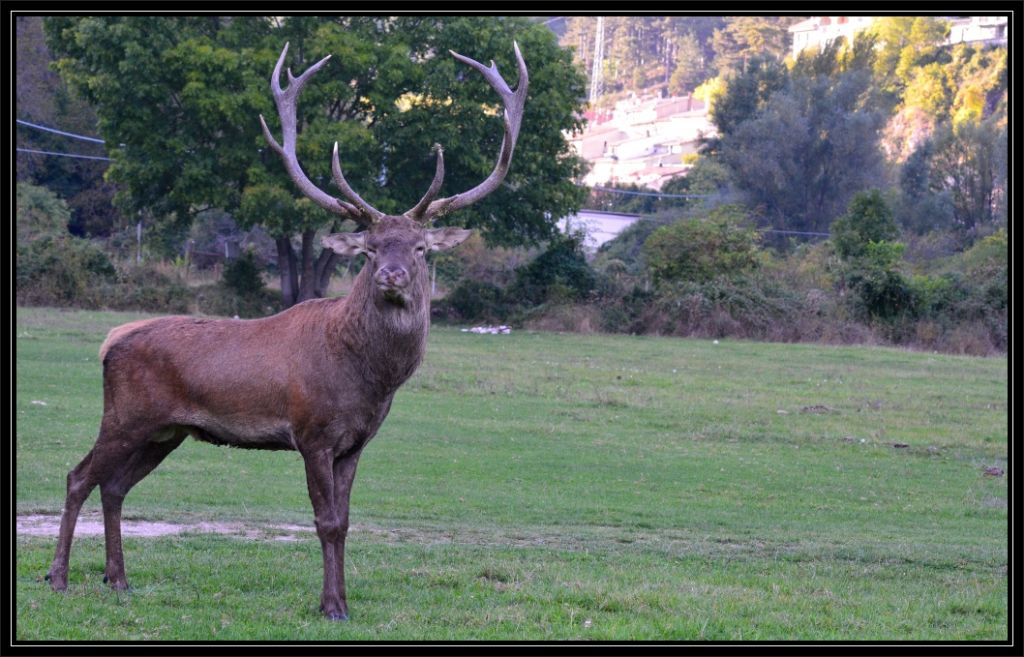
x=793 y=232
x=60 y=132
x=82 y=157
x=629 y=192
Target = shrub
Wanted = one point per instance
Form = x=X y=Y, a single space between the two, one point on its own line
x=475 y=301
x=217 y=299
x=40 y=213
x=242 y=275
x=879 y=290
x=560 y=273
x=61 y=271
x=723 y=244
x=144 y=287
x=623 y=315
x=867 y=219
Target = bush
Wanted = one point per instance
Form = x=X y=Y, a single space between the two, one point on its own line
x=560 y=273
x=722 y=244
x=217 y=299
x=623 y=315
x=746 y=307
x=144 y=287
x=879 y=290
x=242 y=276
x=40 y=213
x=62 y=271
x=475 y=301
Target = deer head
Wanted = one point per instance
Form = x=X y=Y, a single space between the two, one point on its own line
x=396 y=245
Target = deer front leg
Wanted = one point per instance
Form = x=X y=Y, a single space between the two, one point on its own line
x=320 y=481
x=344 y=474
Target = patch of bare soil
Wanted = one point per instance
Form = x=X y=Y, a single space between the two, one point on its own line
x=92 y=525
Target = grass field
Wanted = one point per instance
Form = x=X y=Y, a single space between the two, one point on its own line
x=560 y=487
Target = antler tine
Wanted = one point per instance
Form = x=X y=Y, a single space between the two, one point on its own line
x=435 y=187
x=514 y=102
x=287 y=102
x=339 y=179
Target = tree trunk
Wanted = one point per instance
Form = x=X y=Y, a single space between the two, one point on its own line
x=307 y=287
x=324 y=270
x=286 y=269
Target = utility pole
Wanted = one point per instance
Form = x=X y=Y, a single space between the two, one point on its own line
x=138 y=237
x=597 y=71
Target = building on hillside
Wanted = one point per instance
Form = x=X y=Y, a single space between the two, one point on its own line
x=819 y=31
x=988 y=30
x=643 y=140
x=598 y=226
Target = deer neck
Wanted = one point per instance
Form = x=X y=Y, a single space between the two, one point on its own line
x=389 y=338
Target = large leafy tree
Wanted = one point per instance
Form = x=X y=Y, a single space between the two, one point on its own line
x=43 y=99
x=183 y=95
x=813 y=144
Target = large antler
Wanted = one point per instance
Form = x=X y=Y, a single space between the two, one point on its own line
x=427 y=208
x=514 y=102
x=287 y=101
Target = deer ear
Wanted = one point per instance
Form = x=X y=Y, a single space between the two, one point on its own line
x=346 y=244
x=439 y=239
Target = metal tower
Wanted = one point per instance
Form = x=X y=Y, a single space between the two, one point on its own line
x=597 y=71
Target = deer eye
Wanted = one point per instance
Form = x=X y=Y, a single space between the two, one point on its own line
x=421 y=248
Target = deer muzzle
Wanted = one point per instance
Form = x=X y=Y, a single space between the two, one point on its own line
x=391 y=277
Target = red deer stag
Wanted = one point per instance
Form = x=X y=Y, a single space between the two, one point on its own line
x=318 y=378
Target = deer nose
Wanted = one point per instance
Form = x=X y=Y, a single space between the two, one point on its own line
x=392 y=276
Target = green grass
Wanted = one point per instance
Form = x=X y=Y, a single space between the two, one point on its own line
x=550 y=487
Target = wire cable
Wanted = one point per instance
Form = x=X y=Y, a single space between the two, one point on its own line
x=82 y=157
x=60 y=132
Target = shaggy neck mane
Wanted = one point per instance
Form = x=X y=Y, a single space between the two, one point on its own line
x=390 y=338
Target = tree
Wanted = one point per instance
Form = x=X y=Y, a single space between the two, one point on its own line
x=868 y=219
x=864 y=239
x=183 y=96
x=747 y=93
x=690 y=67
x=921 y=208
x=560 y=272
x=745 y=38
x=904 y=44
x=969 y=163
x=43 y=99
x=813 y=145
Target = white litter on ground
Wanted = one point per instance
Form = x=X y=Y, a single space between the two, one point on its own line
x=489 y=330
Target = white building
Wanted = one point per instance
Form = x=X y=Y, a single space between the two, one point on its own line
x=819 y=31
x=598 y=226
x=990 y=30
x=643 y=141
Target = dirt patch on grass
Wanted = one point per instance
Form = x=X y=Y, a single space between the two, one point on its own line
x=92 y=525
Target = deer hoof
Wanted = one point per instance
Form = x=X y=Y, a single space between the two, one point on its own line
x=116 y=585
x=334 y=615
x=57 y=583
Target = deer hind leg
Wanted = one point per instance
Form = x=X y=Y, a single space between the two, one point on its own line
x=114 y=488
x=78 y=489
